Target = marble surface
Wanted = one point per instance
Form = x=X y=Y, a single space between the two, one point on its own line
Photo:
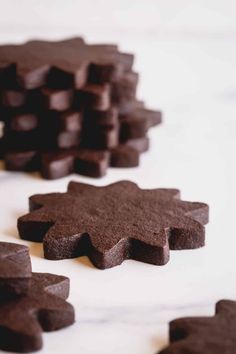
x=186 y=55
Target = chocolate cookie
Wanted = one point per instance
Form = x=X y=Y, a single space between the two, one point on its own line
x=13 y=97
x=95 y=119
x=57 y=64
x=208 y=335
x=125 y=89
x=124 y=156
x=56 y=97
x=68 y=139
x=93 y=96
x=15 y=269
x=113 y=223
x=43 y=308
x=22 y=122
x=57 y=164
x=58 y=100
x=22 y=160
x=54 y=122
x=91 y=163
x=22 y=140
x=139 y=144
x=135 y=124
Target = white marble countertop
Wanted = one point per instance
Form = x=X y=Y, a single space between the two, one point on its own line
x=186 y=56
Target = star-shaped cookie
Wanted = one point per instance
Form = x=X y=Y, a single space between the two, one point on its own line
x=43 y=308
x=205 y=335
x=65 y=63
x=113 y=223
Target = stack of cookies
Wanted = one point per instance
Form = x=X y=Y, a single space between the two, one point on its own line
x=70 y=107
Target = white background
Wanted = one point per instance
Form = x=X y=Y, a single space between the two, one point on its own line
x=185 y=52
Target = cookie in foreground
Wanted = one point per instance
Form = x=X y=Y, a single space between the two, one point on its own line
x=113 y=223
x=205 y=335
x=15 y=269
x=43 y=308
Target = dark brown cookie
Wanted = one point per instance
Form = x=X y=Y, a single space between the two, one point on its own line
x=91 y=163
x=70 y=121
x=125 y=89
x=139 y=144
x=57 y=64
x=58 y=100
x=136 y=124
x=57 y=164
x=30 y=64
x=54 y=122
x=43 y=308
x=68 y=139
x=94 y=119
x=96 y=97
x=205 y=335
x=130 y=106
x=22 y=122
x=13 y=97
x=19 y=98
x=101 y=138
x=133 y=126
x=21 y=141
x=101 y=73
x=22 y=160
x=109 y=68
x=154 y=117
x=124 y=156
x=113 y=223
x=15 y=270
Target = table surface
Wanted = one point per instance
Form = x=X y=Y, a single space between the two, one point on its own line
x=185 y=53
